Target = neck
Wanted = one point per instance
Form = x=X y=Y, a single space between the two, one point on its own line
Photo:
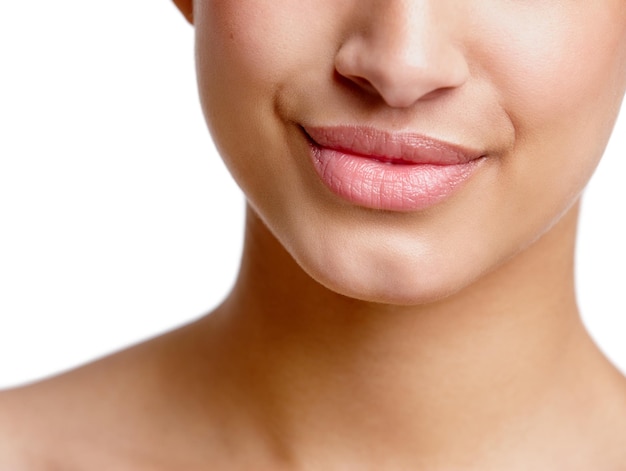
x=347 y=378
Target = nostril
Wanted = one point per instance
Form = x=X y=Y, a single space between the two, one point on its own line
x=356 y=83
x=364 y=84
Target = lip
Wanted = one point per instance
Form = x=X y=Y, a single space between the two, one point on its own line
x=389 y=170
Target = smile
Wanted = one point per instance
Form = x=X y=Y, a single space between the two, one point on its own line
x=388 y=171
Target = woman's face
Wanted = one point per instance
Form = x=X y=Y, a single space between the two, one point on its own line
x=401 y=149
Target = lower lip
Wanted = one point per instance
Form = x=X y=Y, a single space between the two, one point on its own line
x=374 y=184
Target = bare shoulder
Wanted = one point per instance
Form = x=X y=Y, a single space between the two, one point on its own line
x=104 y=415
x=59 y=422
x=615 y=425
x=21 y=447
x=68 y=420
x=602 y=437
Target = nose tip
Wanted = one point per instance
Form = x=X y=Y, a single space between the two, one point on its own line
x=402 y=63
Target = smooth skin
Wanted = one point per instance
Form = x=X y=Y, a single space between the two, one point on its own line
x=446 y=339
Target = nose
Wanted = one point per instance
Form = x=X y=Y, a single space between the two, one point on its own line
x=403 y=51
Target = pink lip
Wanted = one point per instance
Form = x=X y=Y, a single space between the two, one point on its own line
x=388 y=171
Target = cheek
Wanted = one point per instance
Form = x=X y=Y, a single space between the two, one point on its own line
x=262 y=40
x=561 y=84
x=562 y=69
x=249 y=52
x=245 y=49
x=236 y=69
x=231 y=47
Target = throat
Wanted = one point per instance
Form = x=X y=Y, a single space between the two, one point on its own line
x=320 y=374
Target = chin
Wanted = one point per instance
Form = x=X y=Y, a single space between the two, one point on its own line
x=378 y=288
x=387 y=279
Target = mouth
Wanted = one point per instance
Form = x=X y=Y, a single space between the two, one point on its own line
x=388 y=171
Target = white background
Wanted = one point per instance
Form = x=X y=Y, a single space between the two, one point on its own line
x=118 y=220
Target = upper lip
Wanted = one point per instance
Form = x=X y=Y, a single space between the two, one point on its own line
x=393 y=147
